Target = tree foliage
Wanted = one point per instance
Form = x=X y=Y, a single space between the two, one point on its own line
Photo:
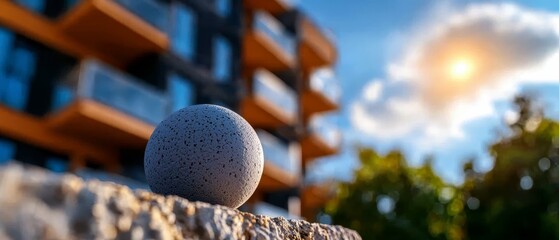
x=389 y=199
x=517 y=199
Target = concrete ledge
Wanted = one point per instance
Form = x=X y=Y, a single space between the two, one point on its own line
x=35 y=204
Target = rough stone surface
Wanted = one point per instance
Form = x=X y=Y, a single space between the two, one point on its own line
x=205 y=153
x=35 y=204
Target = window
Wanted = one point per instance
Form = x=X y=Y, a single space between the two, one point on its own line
x=57 y=165
x=7 y=151
x=33 y=5
x=6 y=41
x=151 y=11
x=181 y=92
x=222 y=59
x=223 y=7
x=15 y=92
x=182 y=31
x=62 y=96
x=17 y=75
x=22 y=63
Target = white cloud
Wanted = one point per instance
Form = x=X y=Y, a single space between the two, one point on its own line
x=372 y=91
x=508 y=46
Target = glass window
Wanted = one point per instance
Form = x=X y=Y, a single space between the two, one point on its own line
x=6 y=41
x=223 y=7
x=181 y=91
x=182 y=31
x=22 y=63
x=57 y=165
x=63 y=95
x=18 y=72
x=153 y=12
x=33 y=5
x=7 y=151
x=15 y=92
x=71 y=3
x=222 y=59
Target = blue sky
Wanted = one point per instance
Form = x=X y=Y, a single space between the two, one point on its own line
x=372 y=35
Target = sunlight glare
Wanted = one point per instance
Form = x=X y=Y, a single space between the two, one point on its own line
x=461 y=70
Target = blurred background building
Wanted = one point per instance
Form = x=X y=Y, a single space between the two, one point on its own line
x=83 y=83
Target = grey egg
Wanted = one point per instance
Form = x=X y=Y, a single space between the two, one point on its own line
x=204 y=153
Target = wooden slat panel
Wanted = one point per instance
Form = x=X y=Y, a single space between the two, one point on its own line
x=274 y=178
x=316 y=102
x=105 y=26
x=43 y=30
x=96 y=122
x=313 y=147
x=260 y=51
x=260 y=113
x=272 y=6
x=34 y=131
x=316 y=49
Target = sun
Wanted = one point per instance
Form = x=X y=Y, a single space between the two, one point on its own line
x=461 y=69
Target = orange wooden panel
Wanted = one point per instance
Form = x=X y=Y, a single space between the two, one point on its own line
x=34 y=131
x=41 y=29
x=272 y=6
x=315 y=102
x=105 y=26
x=313 y=198
x=274 y=179
x=96 y=122
x=260 y=51
x=312 y=146
x=316 y=50
x=262 y=114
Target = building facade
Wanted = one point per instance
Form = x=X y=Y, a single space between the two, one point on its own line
x=83 y=83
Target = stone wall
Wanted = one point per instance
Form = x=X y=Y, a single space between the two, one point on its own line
x=36 y=204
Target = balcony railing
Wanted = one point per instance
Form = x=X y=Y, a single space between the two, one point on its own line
x=98 y=82
x=286 y=156
x=324 y=81
x=267 y=86
x=269 y=210
x=151 y=11
x=317 y=46
x=272 y=28
x=325 y=127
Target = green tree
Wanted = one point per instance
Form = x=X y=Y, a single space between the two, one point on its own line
x=389 y=200
x=519 y=197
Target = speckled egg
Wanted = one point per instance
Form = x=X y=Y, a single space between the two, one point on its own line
x=204 y=153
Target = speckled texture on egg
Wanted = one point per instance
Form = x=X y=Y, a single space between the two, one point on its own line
x=204 y=153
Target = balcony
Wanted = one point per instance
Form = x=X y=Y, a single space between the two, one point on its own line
x=271 y=104
x=271 y=6
x=323 y=137
x=282 y=166
x=314 y=197
x=100 y=103
x=316 y=49
x=268 y=45
x=127 y=29
x=322 y=93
